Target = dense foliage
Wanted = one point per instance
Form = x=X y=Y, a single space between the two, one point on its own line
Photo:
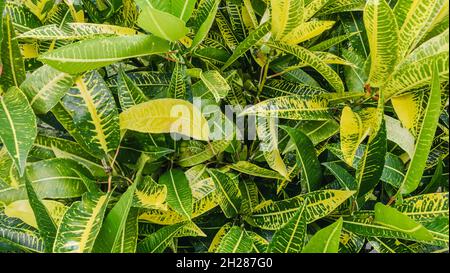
x=338 y=140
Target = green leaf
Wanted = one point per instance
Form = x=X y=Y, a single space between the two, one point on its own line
x=396 y=220
x=18 y=124
x=272 y=215
x=249 y=192
x=425 y=137
x=160 y=23
x=17 y=233
x=382 y=32
x=251 y=40
x=22 y=209
x=93 y=111
x=13 y=70
x=308 y=58
x=286 y=15
x=210 y=8
x=291 y=107
x=81 y=224
x=268 y=134
x=425 y=207
x=76 y=31
x=149 y=194
x=45 y=87
x=291 y=237
x=54 y=178
x=183 y=8
x=98 y=52
x=114 y=226
x=309 y=163
x=158 y=241
x=325 y=240
x=345 y=179
x=215 y=83
x=45 y=223
x=162 y=116
x=177 y=87
x=413 y=18
x=254 y=170
x=128 y=92
x=195 y=152
x=228 y=193
x=179 y=194
x=370 y=167
x=236 y=240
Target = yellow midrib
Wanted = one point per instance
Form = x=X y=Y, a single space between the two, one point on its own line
x=90 y=223
x=100 y=135
x=13 y=129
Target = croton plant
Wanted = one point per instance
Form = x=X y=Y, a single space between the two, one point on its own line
x=264 y=126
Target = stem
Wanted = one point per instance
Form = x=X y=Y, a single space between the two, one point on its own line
x=263 y=79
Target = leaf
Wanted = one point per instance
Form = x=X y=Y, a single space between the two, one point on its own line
x=382 y=32
x=272 y=215
x=210 y=8
x=179 y=194
x=158 y=241
x=391 y=218
x=236 y=240
x=345 y=179
x=194 y=152
x=351 y=132
x=309 y=163
x=268 y=134
x=46 y=147
x=170 y=217
x=114 y=225
x=92 y=109
x=149 y=194
x=308 y=58
x=425 y=207
x=22 y=210
x=215 y=83
x=98 y=52
x=182 y=8
x=13 y=70
x=370 y=168
x=285 y=15
x=416 y=74
x=425 y=137
x=228 y=193
x=128 y=92
x=219 y=236
x=16 y=232
x=150 y=19
x=76 y=31
x=413 y=18
x=54 y=178
x=291 y=107
x=251 y=40
x=398 y=134
x=254 y=170
x=162 y=116
x=177 y=87
x=291 y=237
x=81 y=224
x=45 y=87
x=325 y=240
x=249 y=192
x=45 y=223
x=18 y=124
x=306 y=31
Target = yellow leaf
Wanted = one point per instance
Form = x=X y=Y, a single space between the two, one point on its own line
x=166 y=116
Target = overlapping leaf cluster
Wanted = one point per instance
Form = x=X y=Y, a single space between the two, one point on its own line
x=354 y=95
